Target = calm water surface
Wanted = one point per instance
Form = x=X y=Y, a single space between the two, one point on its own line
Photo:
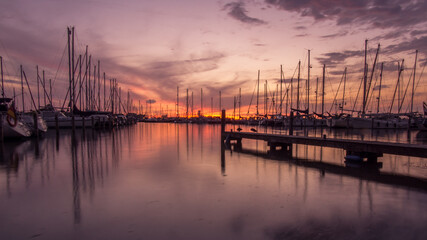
x=166 y=181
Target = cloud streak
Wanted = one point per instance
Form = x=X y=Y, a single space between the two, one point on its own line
x=383 y=14
x=237 y=11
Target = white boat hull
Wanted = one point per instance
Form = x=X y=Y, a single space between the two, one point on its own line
x=18 y=131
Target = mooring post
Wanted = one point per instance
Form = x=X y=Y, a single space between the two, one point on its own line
x=83 y=122
x=93 y=122
x=222 y=127
x=291 y=124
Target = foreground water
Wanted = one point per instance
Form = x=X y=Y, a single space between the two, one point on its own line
x=166 y=181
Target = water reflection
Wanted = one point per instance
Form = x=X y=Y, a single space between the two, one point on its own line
x=176 y=181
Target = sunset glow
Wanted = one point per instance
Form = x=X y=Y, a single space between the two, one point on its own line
x=153 y=47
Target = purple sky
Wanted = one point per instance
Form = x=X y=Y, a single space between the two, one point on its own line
x=151 y=47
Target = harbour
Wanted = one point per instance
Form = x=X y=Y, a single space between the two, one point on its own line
x=263 y=120
x=125 y=183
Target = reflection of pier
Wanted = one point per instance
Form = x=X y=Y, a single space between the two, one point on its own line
x=367 y=172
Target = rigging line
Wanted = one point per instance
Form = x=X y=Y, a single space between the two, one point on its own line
x=371 y=93
x=60 y=63
x=336 y=93
x=419 y=78
x=357 y=96
x=250 y=103
x=406 y=90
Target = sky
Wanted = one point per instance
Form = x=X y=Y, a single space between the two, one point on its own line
x=153 y=47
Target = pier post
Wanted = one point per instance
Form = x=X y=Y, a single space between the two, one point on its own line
x=84 y=122
x=291 y=124
x=222 y=127
x=93 y=122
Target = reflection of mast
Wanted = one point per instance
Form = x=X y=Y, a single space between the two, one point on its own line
x=76 y=184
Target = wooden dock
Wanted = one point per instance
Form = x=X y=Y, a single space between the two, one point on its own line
x=379 y=148
x=360 y=148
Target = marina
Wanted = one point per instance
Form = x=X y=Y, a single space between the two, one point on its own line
x=124 y=182
x=263 y=120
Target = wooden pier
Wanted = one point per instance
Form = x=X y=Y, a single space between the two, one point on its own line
x=370 y=150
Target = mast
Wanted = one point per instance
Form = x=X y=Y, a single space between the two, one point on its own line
x=2 y=80
x=80 y=81
x=211 y=106
x=413 y=82
x=69 y=65
x=22 y=89
x=201 y=102
x=177 y=101
x=89 y=87
x=257 y=96
x=275 y=99
x=240 y=100
x=323 y=90
x=73 y=73
x=343 y=92
x=192 y=104
x=44 y=89
x=365 y=76
x=281 y=97
x=265 y=99
x=317 y=88
x=308 y=84
x=93 y=99
x=299 y=72
x=86 y=77
x=187 y=103
x=104 y=93
x=379 y=90
x=50 y=92
x=38 y=87
x=99 y=87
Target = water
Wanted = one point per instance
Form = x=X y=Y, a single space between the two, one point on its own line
x=166 y=181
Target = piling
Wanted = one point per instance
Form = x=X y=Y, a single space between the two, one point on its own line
x=93 y=121
x=222 y=127
x=84 y=122
x=291 y=124
x=222 y=142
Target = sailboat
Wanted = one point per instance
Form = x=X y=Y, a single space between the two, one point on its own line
x=12 y=125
